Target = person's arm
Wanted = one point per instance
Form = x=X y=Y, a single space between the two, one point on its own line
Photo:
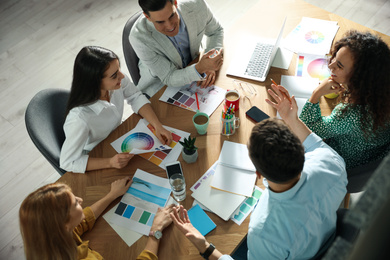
x=288 y=109
x=182 y=222
x=118 y=188
x=327 y=86
x=162 y=134
x=160 y=222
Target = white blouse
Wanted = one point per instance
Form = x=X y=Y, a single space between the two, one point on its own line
x=86 y=126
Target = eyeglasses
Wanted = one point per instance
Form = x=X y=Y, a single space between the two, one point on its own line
x=246 y=90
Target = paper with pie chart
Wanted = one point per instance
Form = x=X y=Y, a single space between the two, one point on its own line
x=312 y=36
x=139 y=140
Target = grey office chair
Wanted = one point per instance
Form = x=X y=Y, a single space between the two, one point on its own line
x=131 y=57
x=358 y=177
x=45 y=115
x=371 y=215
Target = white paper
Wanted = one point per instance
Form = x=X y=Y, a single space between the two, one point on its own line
x=312 y=36
x=235 y=155
x=141 y=201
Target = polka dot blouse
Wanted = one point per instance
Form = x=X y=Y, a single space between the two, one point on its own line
x=343 y=133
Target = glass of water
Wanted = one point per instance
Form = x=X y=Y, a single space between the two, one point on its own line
x=178 y=186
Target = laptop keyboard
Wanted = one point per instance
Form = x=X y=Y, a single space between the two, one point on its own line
x=258 y=63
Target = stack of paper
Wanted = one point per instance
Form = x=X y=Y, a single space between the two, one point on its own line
x=312 y=36
x=235 y=179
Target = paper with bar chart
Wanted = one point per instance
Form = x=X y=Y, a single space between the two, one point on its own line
x=209 y=98
x=139 y=205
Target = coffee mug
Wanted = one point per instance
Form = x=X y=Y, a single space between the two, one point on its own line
x=232 y=99
x=201 y=122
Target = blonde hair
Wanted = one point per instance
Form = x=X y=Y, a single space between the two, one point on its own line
x=43 y=215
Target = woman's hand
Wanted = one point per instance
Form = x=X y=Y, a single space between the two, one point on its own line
x=119 y=187
x=162 y=218
x=209 y=80
x=120 y=160
x=327 y=86
x=163 y=135
x=286 y=106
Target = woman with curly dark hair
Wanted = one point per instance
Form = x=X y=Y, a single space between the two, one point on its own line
x=359 y=126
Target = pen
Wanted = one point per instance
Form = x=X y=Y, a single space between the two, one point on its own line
x=289 y=99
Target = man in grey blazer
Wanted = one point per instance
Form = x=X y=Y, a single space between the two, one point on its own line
x=168 y=37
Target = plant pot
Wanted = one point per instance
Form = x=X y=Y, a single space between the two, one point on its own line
x=189 y=158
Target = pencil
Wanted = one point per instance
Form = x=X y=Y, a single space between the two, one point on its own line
x=197 y=101
x=289 y=99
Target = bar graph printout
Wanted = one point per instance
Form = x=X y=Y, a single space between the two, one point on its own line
x=139 y=205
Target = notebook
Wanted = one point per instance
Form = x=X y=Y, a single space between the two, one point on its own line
x=255 y=58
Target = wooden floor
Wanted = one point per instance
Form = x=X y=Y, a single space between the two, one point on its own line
x=38 y=43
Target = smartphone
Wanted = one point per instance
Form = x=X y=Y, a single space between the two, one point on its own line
x=255 y=114
x=172 y=168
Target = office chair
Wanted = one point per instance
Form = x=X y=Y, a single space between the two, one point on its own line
x=358 y=177
x=45 y=116
x=371 y=215
x=131 y=57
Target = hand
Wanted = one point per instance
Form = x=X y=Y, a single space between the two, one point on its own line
x=119 y=187
x=162 y=218
x=182 y=222
x=163 y=135
x=120 y=160
x=327 y=86
x=287 y=108
x=207 y=63
x=209 y=80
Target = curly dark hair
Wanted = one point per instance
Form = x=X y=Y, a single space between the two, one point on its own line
x=369 y=85
x=275 y=151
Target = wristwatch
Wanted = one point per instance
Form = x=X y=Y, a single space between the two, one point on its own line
x=208 y=252
x=157 y=234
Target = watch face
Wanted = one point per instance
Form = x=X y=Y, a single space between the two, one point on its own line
x=157 y=234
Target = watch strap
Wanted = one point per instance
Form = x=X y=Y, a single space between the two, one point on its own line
x=208 y=251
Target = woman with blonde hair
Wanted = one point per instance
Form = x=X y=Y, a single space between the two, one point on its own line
x=52 y=221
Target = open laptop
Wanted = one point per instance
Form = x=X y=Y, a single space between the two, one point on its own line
x=255 y=58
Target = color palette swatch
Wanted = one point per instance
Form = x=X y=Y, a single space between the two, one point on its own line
x=137 y=141
x=140 y=203
x=314 y=37
x=184 y=97
x=160 y=158
x=312 y=66
x=247 y=206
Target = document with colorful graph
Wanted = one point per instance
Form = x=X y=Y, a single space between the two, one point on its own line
x=312 y=36
x=139 y=140
x=209 y=98
x=315 y=66
x=139 y=205
x=159 y=157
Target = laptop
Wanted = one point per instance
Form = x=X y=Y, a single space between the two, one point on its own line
x=255 y=58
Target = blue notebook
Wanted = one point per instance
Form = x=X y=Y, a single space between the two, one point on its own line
x=200 y=220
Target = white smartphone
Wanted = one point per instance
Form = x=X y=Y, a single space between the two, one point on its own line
x=172 y=168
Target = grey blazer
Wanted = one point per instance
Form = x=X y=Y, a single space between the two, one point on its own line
x=160 y=63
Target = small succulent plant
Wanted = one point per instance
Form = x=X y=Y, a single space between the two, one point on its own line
x=189 y=145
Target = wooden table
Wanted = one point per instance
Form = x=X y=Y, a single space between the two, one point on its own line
x=263 y=20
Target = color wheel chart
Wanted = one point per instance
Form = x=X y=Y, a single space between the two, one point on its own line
x=137 y=140
x=314 y=37
x=139 y=205
x=313 y=66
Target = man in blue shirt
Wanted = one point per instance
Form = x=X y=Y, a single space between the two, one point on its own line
x=168 y=37
x=305 y=182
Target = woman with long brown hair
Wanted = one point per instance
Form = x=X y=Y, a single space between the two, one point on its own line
x=52 y=221
x=359 y=126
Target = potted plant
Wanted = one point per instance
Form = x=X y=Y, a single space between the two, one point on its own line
x=189 y=151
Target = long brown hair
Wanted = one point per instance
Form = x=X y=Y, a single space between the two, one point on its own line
x=43 y=215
